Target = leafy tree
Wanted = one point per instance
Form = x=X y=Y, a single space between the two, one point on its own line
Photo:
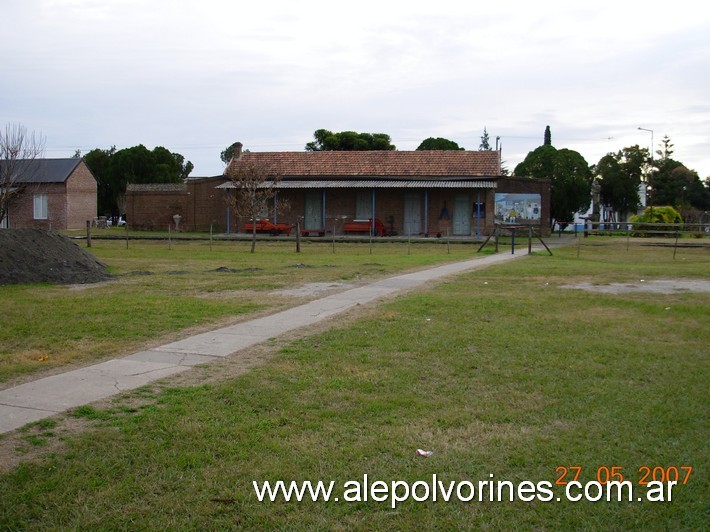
x=674 y=184
x=115 y=169
x=254 y=189
x=438 y=143
x=17 y=145
x=349 y=141
x=99 y=162
x=620 y=178
x=570 y=179
x=227 y=154
x=548 y=137
x=485 y=141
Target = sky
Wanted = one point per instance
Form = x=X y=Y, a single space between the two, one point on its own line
x=197 y=76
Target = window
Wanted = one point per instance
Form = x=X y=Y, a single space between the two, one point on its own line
x=40 y=204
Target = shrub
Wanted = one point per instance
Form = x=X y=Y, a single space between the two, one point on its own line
x=656 y=215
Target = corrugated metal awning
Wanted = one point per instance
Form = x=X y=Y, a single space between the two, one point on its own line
x=379 y=183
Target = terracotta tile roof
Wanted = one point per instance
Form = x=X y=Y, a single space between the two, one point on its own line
x=390 y=164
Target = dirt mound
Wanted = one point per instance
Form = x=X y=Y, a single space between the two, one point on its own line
x=33 y=256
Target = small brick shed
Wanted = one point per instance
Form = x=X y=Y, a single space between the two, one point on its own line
x=51 y=194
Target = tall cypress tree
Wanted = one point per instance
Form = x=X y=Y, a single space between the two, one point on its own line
x=548 y=137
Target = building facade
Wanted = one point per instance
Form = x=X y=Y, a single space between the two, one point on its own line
x=411 y=193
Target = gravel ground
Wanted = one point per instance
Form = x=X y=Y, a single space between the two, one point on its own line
x=660 y=286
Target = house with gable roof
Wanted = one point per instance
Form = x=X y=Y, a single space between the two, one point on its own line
x=417 y=193
x=51 y=194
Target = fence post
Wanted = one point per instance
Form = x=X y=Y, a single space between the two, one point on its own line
x=530 y=240
x=88 y=233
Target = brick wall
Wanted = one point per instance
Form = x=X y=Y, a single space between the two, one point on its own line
x=21 y=210
x=81 y=197
x=201 y=204
x=153 y=207
x=206 y=205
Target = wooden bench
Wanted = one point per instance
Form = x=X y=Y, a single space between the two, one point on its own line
x=265 y=226
x=365 y=226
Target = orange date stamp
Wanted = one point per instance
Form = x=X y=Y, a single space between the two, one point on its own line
x=645 y=474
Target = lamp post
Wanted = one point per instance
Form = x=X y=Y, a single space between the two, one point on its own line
x=650 y=172
x=651 y=132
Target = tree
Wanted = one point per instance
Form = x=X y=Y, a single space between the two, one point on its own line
x=438 y=143
x=227 y=154
x=349 y=141
x=20 y=153
x=667 y=148
x=115 y=169
x=107 y=190
x=675 y=184
x=620 y=177
x=254 y=189
x=547 y=141
x=485 y=141
x=570 y=179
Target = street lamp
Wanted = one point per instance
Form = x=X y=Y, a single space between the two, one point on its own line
x=651 y=132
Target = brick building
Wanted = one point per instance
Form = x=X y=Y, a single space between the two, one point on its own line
x=51 y=194
x=460 y=193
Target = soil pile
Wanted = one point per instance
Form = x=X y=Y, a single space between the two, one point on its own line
x=34 y=256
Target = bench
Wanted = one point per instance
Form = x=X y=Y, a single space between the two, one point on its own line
x=265 y=226
x=365 y=226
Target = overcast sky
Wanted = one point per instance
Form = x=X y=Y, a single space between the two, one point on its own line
x=196 y=76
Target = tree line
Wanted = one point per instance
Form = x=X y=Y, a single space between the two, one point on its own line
x=618 y=177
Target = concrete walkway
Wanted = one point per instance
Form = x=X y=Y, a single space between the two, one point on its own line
x=48 y=396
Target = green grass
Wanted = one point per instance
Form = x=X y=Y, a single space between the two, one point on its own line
x=498 y=372
x=163 y=289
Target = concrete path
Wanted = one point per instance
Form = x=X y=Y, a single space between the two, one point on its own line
x=48 y=396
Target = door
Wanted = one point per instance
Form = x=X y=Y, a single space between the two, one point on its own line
x=462 y=215
x=412 y=213
x=363 y=205
x=313 y=218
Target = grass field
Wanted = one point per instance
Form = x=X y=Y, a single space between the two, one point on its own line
x=499 y=372
x=175 y=286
